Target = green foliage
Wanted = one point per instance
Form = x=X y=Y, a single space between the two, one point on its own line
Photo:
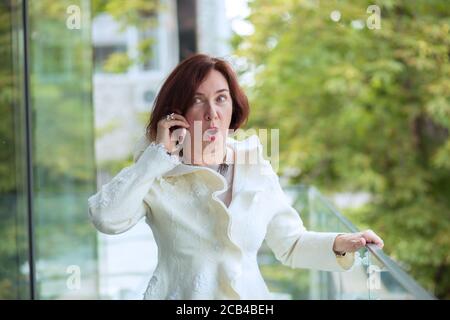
x=13 y=242
x=62 y=147
x=117 y=62
x=140 y=14
x=136 y=13
x=363 y=110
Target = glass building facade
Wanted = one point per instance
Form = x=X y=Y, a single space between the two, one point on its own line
x=15 y=265
x=47 y=159
x=70 y=110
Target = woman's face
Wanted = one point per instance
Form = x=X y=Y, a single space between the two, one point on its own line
x=211 y=110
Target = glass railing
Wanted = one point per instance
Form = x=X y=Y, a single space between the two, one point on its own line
x=373 y=276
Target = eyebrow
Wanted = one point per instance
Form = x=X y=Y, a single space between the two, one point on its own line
x=221 y=90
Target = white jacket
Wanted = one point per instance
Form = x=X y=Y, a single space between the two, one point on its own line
x=206 y=250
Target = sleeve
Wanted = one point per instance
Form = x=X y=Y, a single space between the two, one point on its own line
x=119 y=204
x=291 y=243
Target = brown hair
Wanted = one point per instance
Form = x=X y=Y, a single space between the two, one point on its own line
x=177 y=92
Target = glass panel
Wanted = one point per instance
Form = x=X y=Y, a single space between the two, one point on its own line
x=63 y=150
x=369 y=278
x=284 y=282
x=351 y=284
x=14 y=250
x=135 y=48
x=383 y=284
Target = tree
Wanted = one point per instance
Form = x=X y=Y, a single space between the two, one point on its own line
x=363 y=109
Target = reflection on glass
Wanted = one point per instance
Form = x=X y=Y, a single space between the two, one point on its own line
x=14 y=250
x=382 y=283
x=63 y=156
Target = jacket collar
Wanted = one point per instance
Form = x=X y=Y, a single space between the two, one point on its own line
x=242 y=150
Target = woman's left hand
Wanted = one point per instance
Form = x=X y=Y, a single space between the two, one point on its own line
x=350 y=242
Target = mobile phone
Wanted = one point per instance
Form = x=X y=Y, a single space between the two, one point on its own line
x=178 y=143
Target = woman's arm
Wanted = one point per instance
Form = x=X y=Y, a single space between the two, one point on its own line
x=297 y=247
x=119 y=205
x=288 y=238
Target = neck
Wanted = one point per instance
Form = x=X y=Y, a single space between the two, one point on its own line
x=211 y=154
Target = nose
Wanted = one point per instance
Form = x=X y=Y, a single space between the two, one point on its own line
x=211 y=113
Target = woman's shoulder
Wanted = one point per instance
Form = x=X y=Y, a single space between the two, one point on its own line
x=244 y=144
x=250 y=152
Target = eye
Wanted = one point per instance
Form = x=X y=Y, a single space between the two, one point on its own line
x=222 y=98
x=197 y=100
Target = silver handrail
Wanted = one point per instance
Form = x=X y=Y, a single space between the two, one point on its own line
x=404 y=279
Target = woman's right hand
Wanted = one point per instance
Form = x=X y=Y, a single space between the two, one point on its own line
x=163 y=134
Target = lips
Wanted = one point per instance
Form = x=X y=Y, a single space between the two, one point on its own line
x=212 y=130
x=211 y=133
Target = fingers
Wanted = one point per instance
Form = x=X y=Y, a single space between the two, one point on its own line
x=352 y=242
x=357 y=243
x=179 y=134
x=179 y=117
x=372 y=237
x=363 y=242
x=178 y=120
x=171 y=123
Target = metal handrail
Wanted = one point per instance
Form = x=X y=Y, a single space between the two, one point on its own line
x=403 y=278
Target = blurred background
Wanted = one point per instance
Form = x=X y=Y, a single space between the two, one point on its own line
x=362 y=104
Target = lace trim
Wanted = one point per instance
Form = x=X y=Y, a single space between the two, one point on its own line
x=163 y=150
x=199 y=282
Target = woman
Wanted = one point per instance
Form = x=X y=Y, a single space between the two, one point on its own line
x=210 y=207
